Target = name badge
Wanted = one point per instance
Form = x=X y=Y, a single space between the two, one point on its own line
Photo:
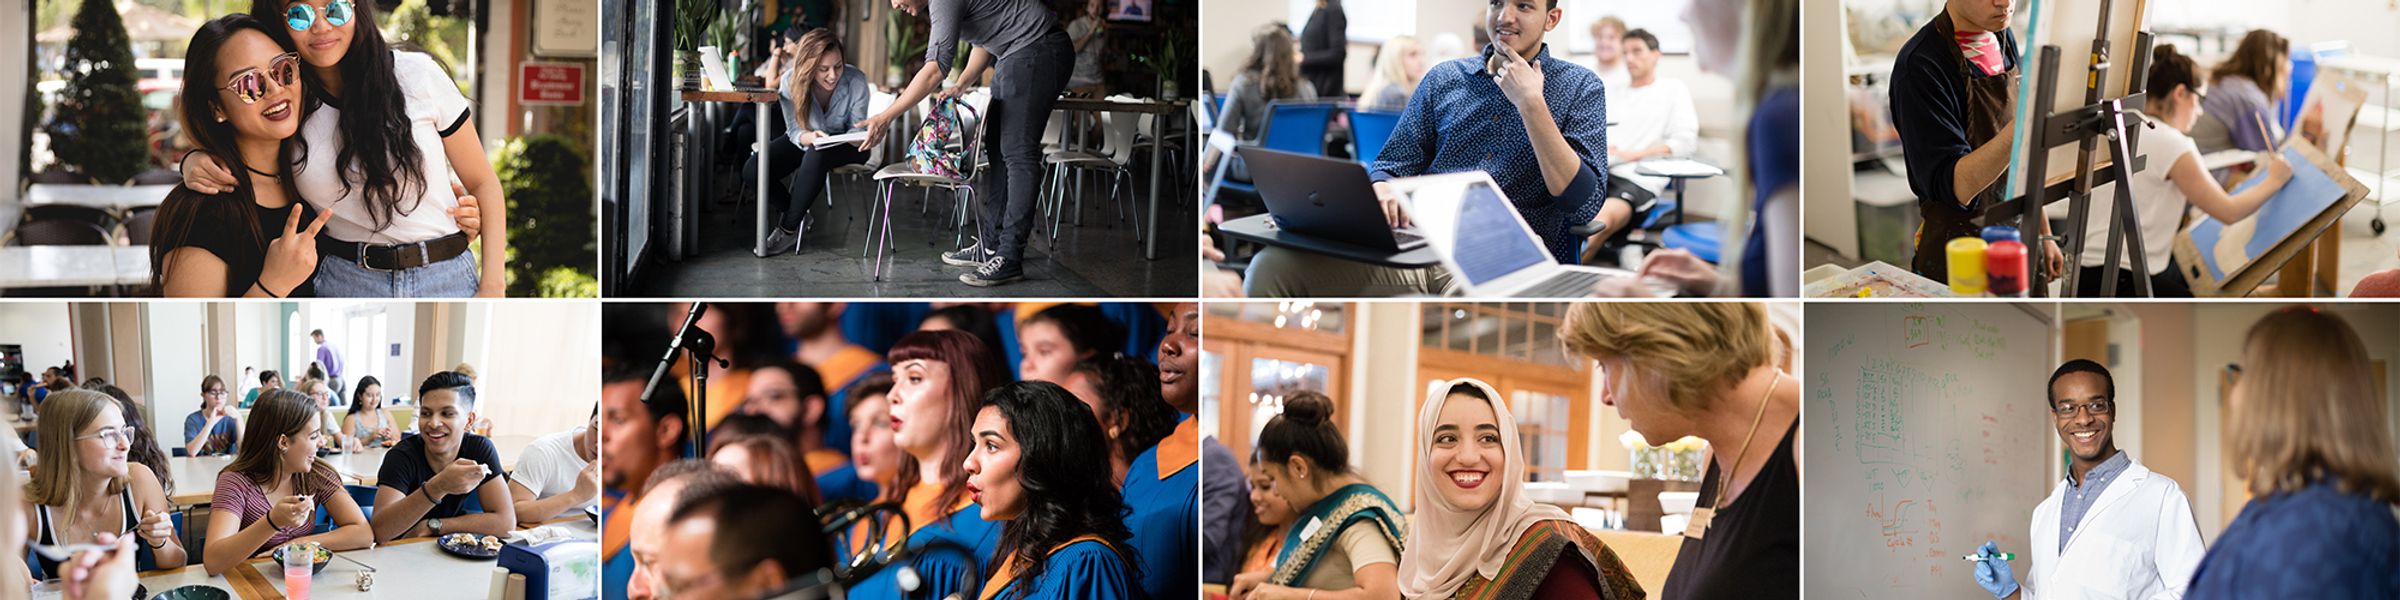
x=1702 y=517
x=1310 y=531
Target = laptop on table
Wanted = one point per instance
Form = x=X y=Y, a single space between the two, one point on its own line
x=1481 y=238
x=1325 y=198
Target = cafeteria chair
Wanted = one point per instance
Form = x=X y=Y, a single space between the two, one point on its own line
x=137 y=227
x=57 y=232
x=1116 y=165
x=364 y=495
x=70 y=212
x=55 y=175
x=890 y=177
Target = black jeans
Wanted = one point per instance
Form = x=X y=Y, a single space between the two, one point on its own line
x=783 y=157
x=1024 y=88
x=2166 y=284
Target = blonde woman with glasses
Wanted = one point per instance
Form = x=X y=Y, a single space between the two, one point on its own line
x=86 y=488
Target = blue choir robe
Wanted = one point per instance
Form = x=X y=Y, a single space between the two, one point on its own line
x=950 y=555
x=843 y=484
x=1162 y=495
x=1082 y=569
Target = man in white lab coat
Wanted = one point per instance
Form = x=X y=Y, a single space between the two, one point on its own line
x=2112 y=529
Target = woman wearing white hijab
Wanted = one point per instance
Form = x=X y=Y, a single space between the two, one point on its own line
x=1480 y=538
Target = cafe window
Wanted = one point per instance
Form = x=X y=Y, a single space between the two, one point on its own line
x=1523 y=332
x=1321 y=317
x=1257 y=355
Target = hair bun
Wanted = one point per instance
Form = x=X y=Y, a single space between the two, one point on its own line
x=1308 y=408
x=2162 y=51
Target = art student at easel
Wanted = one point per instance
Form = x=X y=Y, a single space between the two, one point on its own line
x=1953 y=103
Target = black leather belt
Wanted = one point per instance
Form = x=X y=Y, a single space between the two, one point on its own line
x=394 y=257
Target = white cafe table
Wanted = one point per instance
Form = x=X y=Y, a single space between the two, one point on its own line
x=115 y=197
x=156 y=582
x=133 y=264
x=58 y=266
x=196 y=477
x=413 y=568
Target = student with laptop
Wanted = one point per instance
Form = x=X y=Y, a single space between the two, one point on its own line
x=1537 y=124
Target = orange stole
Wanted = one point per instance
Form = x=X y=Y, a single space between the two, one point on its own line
x=1007 y=573
x=1180 y=449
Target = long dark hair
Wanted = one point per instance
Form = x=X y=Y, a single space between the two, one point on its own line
x=1130 y=394
x=143 y=447
x=1066 y=494
x=358 y=395
x=1270 y=65
x=184 y=209
x=377 y=145
x=2259 y=57
x=973 y=369
x=278 y=413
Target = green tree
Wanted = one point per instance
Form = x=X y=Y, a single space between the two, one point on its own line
x=100 y=131
x=551 y=226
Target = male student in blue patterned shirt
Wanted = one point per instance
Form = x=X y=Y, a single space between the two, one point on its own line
x=1538 y=125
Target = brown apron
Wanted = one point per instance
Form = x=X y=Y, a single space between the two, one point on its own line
x=1990 y=104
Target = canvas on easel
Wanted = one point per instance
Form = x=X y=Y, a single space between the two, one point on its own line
x=2072 y=25
x=2231 y=259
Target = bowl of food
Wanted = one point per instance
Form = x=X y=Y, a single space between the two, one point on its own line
x=469 y=545
x=194 y=592
x=318 y=555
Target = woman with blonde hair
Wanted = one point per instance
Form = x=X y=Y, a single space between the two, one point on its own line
x=2307 y=432
x=1705 y=370
x=86 y=487
x=1398 y=67
x=822 y=96
x=1476 y=537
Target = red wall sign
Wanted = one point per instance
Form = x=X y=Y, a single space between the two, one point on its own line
x=544 y=83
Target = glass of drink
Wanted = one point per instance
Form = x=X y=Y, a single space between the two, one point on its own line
x=299 y=565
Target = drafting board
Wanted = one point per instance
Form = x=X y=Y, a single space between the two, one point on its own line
x=1927 y=435
x=2221 y=259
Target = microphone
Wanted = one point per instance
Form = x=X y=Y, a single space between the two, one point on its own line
x=691 y=321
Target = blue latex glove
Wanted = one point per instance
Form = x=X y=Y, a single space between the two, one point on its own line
x=1992 y=573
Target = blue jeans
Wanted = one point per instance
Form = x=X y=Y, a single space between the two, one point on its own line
x=1026 y=86
x=452 y=278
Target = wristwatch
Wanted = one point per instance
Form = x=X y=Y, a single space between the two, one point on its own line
x=435 y=524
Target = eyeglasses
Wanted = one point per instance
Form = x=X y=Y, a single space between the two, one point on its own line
x=249 y=85
x=2095 y=407
x=110 y=435
x=2233 y=373
x=216 y=392
x=302 y=16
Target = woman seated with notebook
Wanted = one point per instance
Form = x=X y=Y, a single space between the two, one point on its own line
x=823 y=97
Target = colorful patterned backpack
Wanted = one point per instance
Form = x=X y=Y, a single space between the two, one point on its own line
x=939 y=147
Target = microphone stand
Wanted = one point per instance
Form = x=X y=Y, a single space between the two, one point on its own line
x=699 y=347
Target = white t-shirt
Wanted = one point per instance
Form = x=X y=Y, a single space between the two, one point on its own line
x=434 y=107
x=2156 y=201
x=1613 y=78
x=549 y=465
x=1659 y=113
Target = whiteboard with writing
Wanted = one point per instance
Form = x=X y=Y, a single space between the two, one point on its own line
x=1927 y=434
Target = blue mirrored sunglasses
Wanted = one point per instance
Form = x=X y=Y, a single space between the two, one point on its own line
x=303 y=16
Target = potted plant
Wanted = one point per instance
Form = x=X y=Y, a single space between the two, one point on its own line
x=901 y=31
x=1165 y=63
x=692 y=18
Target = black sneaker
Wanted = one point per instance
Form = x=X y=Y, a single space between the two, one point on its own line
x=997 y=271
x=971 y=256
x=781 y=242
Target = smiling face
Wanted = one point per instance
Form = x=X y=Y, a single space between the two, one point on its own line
x=1605 y=39
x=871 y=446
x=372 y=393
x=248 y=61
x=1519 y=25
x=920 y=405
x=992 y=467
x=1467 y=453
x=322 y=43
x=2086 y=432
x=300 y=447
x=442 y=421
x=1048 y=354
x=1271 y=507
x=828 y=70
x=1179 y=358
x=102 y=445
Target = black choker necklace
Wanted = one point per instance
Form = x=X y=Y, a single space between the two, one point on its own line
x=255 y=171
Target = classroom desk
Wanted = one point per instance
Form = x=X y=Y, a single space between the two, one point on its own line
x=119 y=198
x=1261 y=229
x=159 y=581
x=766 y=98
x=1160 y=112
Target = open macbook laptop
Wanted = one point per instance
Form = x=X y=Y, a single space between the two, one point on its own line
x=1324 y=198
x=1481 y=239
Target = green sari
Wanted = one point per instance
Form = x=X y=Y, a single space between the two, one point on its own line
x=1352 y=504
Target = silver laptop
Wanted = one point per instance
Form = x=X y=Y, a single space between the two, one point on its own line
x=1470 y=223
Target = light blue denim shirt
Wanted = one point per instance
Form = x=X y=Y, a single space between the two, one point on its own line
x=846 y=106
